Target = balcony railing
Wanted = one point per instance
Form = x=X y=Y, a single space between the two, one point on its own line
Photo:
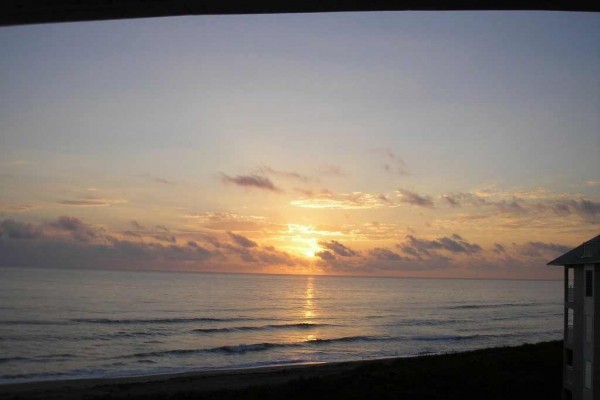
x=570 y=334
x=569 y=375
x=570 y=294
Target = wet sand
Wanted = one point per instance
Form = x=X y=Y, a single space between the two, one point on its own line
x=528 y=371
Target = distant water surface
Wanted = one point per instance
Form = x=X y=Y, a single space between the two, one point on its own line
x=63 y=324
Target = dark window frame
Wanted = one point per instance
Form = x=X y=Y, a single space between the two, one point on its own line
x=589 y=283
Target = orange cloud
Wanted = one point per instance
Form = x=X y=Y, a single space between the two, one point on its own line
x=344 y=201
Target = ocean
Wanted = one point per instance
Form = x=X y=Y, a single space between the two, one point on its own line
x=69 y=324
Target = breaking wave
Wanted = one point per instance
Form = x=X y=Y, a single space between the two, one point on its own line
x=244 y=348
x=160 y=320
x=302 y=325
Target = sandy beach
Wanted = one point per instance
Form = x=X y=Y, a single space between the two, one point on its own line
x=531 y=371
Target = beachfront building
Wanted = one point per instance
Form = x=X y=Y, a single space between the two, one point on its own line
x=581 y=359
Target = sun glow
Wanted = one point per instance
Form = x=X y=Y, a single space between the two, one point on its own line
x=313 y=248
x=303 y=240
x=309 y=308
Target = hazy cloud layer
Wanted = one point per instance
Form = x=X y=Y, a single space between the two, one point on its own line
x=447 y=253
x=70 y=242
x=528 y=203
x=11 y=208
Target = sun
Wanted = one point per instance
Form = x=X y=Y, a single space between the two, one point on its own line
x=303 y=240
x=311 y=247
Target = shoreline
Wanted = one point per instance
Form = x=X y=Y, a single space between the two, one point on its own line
x=258 y=381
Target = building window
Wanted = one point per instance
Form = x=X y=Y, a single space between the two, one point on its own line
x=570 y=318
x=569 y=357
x=568 y=395
x=589 y=328
x=570 y=322
x=588 y=374
x=587 y=250
x=570 y=285
x=589 y=283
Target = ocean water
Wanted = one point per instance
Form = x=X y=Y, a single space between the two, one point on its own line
x=65 y=324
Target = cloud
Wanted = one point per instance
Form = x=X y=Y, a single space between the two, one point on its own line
x=458 y=199
x=265 y=170
x=344 y=201
x=593 y=183
x=80 y=230
x=386 y=199
x=136 y=224
x=414 y=199
x=331 y=170
x=19 y=230
x=68 y=242
x=325 y=255
x=540 y=249
x=584 y=208
x=162 y=180
x=498 y=248
x=251 y=181
x=241 y=240
x=225 y=221
x=91 y=202
x=528 y=204
x=157 y=179
x=392 y=163
x=453 y=201
x=200 y=250
x=453 y=244
x=131 y=233
x=338 y=249
x=15 y=207
x=165 y=238
x=510 y=207
x=384 y=254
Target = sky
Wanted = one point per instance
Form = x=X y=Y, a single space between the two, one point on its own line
x=421 y=144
